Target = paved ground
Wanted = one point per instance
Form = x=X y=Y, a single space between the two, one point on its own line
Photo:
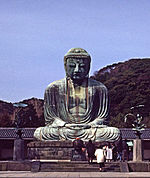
x=72 y=174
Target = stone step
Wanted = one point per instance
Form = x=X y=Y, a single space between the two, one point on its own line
x=51 y=166
x=112 y=169
x=75 y=166
x=67 y=169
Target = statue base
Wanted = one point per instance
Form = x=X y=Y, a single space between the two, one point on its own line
x=55 y=150
x=76 y=156
x=50 y=150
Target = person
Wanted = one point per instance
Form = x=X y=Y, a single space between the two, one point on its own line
x=108 y=153
x=79 y=147
x=119 y=149
x=76 y=106
x=114 y=152
x=104 y=148
x=130 y=154
x=100 y=156
x=125 y=150
x=90 y=147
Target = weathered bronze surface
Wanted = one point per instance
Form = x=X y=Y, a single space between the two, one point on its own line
x=76 y=106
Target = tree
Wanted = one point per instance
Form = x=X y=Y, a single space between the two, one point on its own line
x=128 y=84
x=5 y=120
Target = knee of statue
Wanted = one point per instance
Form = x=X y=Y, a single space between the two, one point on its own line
x=77 y=105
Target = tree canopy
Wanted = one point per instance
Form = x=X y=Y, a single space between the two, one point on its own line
x=128 y=84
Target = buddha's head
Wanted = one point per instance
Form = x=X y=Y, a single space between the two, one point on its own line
x=77 y=63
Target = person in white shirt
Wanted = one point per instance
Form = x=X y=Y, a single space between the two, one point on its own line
x=108 y=153
x=100 y=156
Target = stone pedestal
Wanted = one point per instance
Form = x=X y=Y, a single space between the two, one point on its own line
x=76 y=156
x=137 y=150
x=18 y=154
x=54 y=150
x=50 y=150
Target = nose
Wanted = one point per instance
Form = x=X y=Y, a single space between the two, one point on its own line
x=77 y=68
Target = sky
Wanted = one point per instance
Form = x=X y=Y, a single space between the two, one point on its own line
x=36 y=34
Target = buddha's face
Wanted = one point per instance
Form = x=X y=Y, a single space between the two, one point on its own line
x=77 y=68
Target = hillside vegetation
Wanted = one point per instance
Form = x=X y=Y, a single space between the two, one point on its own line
x=128 y=84
x=30 y=116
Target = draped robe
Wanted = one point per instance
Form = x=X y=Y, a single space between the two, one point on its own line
x=69 y=115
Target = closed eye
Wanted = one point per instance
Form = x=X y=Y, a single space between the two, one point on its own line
x=82 y=65
x=72 y=65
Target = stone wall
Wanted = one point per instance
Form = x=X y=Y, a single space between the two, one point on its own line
x=50 y=150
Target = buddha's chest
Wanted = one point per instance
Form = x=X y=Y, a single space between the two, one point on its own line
x=77 y=101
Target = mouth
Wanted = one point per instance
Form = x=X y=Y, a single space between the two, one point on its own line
x=76 y=76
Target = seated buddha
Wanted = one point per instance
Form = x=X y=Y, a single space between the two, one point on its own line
x=76 y=106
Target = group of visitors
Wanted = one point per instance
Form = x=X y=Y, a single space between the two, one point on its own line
x=103 y=153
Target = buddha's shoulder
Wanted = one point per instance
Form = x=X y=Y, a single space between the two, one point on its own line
x=56 y=84
x=97 y=84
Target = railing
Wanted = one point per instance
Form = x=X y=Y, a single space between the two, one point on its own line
x=10 y=133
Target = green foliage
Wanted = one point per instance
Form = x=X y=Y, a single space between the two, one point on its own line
x=30 y=116
x=128 y=84
x=5 y=120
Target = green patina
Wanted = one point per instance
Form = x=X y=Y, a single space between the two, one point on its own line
x=76 y=106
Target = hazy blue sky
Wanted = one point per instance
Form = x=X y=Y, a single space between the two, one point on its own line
x=35 y=35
